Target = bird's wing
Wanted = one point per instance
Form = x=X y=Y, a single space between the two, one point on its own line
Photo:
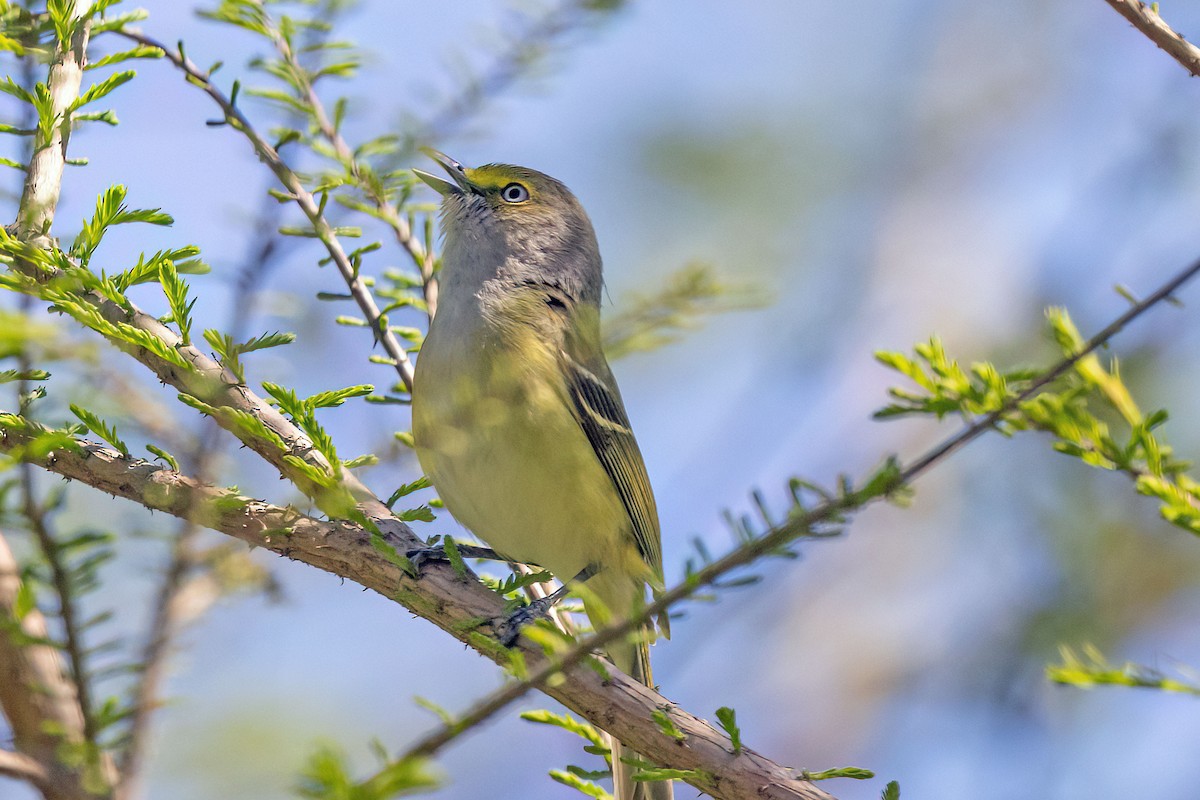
x=601 y=414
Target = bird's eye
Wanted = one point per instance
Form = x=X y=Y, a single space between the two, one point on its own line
x=514 y=193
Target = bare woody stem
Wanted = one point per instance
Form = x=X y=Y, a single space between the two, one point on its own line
x=303 y=198
x=43 y=707
x=1147 y=20
x=43 y=180
x=18 y=765
x=74 y=648
x=38 y=700
x=461 y=607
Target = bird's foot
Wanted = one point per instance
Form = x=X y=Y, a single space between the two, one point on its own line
x=420 y=556
x=509 y=628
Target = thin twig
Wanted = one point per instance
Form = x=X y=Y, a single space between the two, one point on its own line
x=345 y=155
x=510 y=65
x=301 y=196
x=1147 y=20
x=23 y=768
x=35 y=516
x=778 y=536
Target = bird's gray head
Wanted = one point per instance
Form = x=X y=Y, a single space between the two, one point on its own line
x=523 y=224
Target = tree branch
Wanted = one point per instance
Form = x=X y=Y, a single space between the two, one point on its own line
x=302 y=197
x=1147 y=20
x=43 y=180
x=39 y=700
x=73 y=647
x=795 y=527
x=165 y=624
x=463 y=608
x=23 y=768
x=387 y=210
x=41 y=704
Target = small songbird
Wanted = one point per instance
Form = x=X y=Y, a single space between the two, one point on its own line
x=516 y=416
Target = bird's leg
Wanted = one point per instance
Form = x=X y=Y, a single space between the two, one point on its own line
x=420 y=556
x=510 y=626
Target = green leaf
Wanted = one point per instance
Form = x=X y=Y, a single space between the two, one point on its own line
x=141 y=51
x=101 y=428
x=116 y=23
x=665 y=774
x=667 y=726
x=584 y=787
x=229 y=352
x=327 y=776
x=405 y=489
x=62 y=18
x=176 y=292
x=336 y=397
x=265 y=341
x=11 y=87
x=164 y=455
x=444 y=715
x=727 y=719
x=108 y=117
x=25 y=601
x=450 y=548
x=891 y=791
x=567 y=723
x=111 y=210
x=11 y=375
x=855 y=773
x=102 y=89
x=418 y=514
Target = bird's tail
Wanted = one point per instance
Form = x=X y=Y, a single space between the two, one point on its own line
x=633 y=658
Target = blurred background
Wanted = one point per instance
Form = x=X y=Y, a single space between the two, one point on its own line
x=879 y=172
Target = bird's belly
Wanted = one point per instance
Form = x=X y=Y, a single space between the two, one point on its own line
x=513 y=466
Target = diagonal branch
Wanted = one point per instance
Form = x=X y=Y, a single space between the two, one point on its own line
x=302 y=197
x=23 y=768
x=345 y=155
x=1147 y=20
x=461 y=607
x=795 y=527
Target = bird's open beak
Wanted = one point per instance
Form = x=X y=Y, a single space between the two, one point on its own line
x=456 y=171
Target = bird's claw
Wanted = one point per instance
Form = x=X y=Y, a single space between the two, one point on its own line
x=420 y=556
x=509 y=628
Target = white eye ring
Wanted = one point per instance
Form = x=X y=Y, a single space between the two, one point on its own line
x=514 y=193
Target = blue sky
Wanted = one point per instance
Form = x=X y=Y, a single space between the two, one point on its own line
x=882 y=172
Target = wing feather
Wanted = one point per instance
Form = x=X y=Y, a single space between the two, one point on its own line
x=602 y=416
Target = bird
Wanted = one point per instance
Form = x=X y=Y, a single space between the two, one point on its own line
x=517 y=420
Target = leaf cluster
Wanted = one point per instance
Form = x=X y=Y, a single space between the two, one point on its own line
x=1089 y=410
x=1089 y=668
